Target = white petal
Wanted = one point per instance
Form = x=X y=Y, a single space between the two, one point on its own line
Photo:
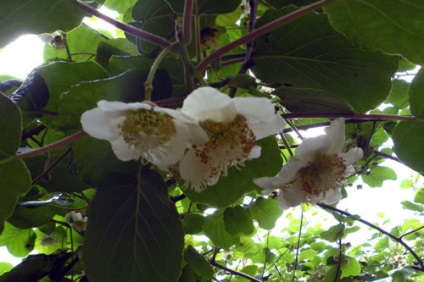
x=123 y=151
x=294 y=196
x=260 y=115
x=336 y=136
x=352 y=156
x=312 y=146
x=192 y=170
x=255 y=152
x=116 y=108
x=96 y=124
x=332 y=196
x=207 y=103
x=266 y=183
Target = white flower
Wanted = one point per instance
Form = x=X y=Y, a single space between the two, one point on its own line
x=233 y=127
x=48 y=239
x=77 y=221
x=142 y=130
x=317 y=172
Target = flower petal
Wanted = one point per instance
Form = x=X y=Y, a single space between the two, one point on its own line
x=293 y=196
x=352 y=156
x=260 y=115
x=336 y=136
x=123 y=151
x=193 y=171
x=96 y=124
x=207 y=103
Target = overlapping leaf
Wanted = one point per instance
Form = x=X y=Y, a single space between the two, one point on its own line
x=393 y=26
x=141 y=233
x=14 y=176
x=308 y=53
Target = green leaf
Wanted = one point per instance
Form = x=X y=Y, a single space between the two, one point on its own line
x=198 y=263
x=83 y=40
x=416 y=94
x=411 y=206
x=398 y=96
x=118 y=46
x=5 y=267
x=214 y=228
x=127 y=87
x=19 y=242
x=408 y=144
x=25 y=218
x=401 y=275
x=26 y=16
x=377 y=175
x=14 y=176
x=193 y=223
x=238 y=220
x=265 y=212
x=207 y=6
x=142 y=235
x=350 y=267
x=120 y=6
x=419 y=196
x=238 y=182
x=60 y=76
x=155 y=17
x=308 y=53
x=333 y=234
x=374 y=24
x=303 y=100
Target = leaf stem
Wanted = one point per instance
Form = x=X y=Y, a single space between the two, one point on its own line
x=394 y=238
x=153 y=38
x=296 y=262
x=203 y=65
x=148 y=84
x=187 y=19
x=234 y=272
x=67 y=140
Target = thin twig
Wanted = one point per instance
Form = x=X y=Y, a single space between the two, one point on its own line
x=187 y=18
x=296 y=261
x=250 y=45
x=153 y=38
x=234 y=272
x=394 y=238
x=410 y=232
x=204 y=64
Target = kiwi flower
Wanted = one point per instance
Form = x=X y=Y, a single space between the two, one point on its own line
x=142 y=131
x=317 y=172
x=233 y=127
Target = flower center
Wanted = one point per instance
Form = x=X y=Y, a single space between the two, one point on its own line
x=324 y=173
x=229 y=144
x=79 y=225
x=147 y=129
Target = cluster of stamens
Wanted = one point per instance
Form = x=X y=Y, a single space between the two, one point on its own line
x=326 y=172
x=147 y=130
x=229 y=144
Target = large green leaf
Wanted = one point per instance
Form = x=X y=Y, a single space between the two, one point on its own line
x=308 y=53
x=409 y=144
x=209 y=7
x=214 y=228
x=303 y=100
x=120 y=6
x=27 y=16
x=14 y=176
x=399 y=94
x=416 y=94
x=238 y=220
x=19 y=242
x=266 y=212
x=238 y=182
x=198 y=263
x=393 y=26
x=141 y=234
x=127 y=87
x=377 y=175
x=60 y=76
